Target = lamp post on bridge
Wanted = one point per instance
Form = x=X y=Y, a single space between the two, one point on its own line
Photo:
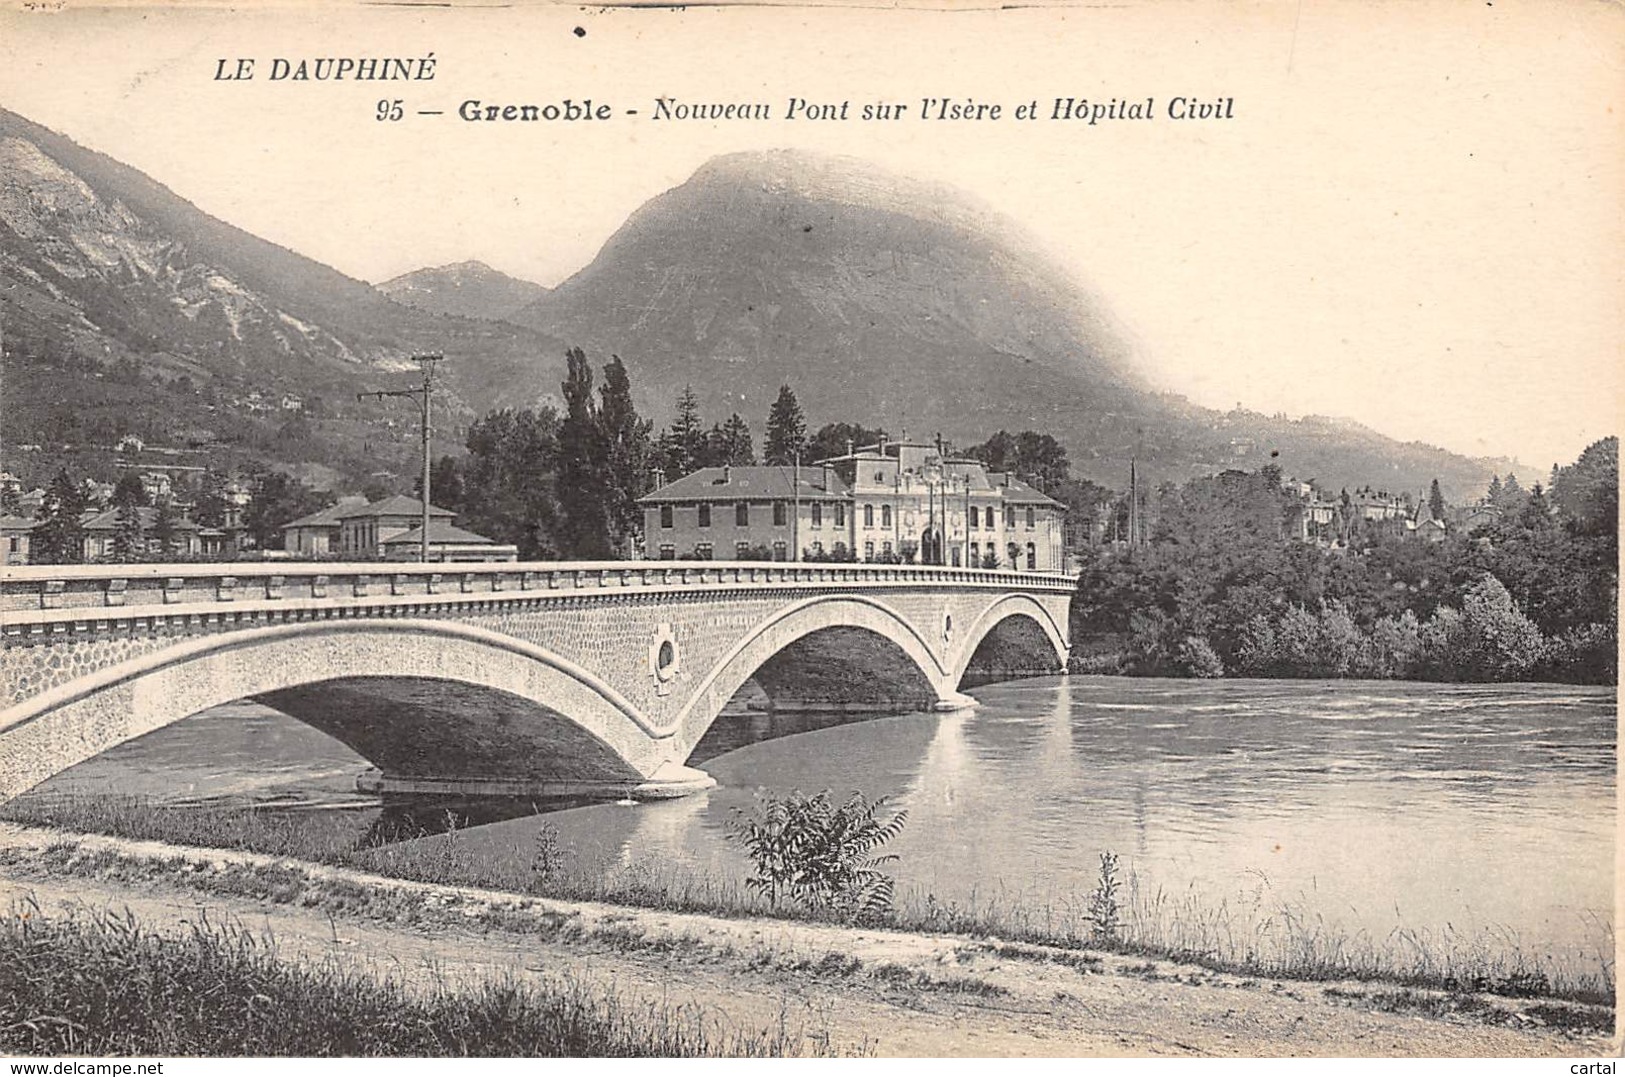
x=423 y=395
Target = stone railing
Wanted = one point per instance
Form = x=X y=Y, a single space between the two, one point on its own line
x=63 y=594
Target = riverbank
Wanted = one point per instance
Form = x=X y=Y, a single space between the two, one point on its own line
x=1276 y=938
x=833 y=989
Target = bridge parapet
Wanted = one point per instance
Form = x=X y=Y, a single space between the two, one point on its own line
x=43 y=595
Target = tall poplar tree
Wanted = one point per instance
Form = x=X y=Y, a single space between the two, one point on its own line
x=585 y=530
x=627 y=455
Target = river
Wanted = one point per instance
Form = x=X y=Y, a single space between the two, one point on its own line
x=1468 y=811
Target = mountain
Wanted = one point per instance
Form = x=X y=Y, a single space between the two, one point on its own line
x=465 y=289
x=129 y=310
x=891 y=302
x=881 y=300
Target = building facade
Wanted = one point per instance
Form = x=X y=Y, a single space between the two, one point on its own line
x=893 y=501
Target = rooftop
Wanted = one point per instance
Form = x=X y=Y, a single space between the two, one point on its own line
x=395 y=505
x=775 y=483
x=440 y=534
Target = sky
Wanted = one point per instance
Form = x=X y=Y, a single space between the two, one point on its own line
x=1413 y=217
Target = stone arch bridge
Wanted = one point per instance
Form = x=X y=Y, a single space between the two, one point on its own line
x=533 y=679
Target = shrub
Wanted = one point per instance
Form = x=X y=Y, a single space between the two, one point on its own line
x=1198 y=658
x=1104 y=914
x=818 y=854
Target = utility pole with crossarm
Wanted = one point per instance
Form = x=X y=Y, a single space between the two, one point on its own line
x=422 y=394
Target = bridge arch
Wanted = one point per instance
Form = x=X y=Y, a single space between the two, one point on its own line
x=501 y=694
x=917 y=664
x=1005 y=611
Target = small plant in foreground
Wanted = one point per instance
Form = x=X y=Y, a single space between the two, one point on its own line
x=1104 y=913
x=818 y=854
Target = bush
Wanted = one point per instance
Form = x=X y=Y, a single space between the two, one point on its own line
x=819 y=855
x=1198 y=658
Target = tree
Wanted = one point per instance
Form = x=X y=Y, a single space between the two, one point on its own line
x=1032 y=457
x=277 y=499
x=730 y=443
x=1436 y=505
x=60 y=537
x=130 y=491
x=585 y=524
x=163 y=528
x=212 y=504
x=834 y=439
x=685 y=444
x=786 y=430
x=627 y=452
x=129 y=535
x=445 y=484
x=508 y=481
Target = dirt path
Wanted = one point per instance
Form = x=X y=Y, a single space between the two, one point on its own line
x=886 y=992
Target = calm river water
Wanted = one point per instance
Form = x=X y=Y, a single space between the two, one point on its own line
x=1439 y=808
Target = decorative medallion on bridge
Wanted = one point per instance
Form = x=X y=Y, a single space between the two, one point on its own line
x=665 y=660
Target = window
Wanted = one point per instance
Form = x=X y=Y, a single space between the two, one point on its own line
x=1030 y=517
x=868 y=516
x=742 y=551
x=868 y=551
x=885 y=549
x=742 y=514
x=668 y=552
x=13 y=541
x=880 y=476
x=885 y=517
x=955 y=554
x=817 y=514
x=1014 y=555
x=1009 y=516
x=778 y=514
x=840 y=514
x=781 y=552
x=703 y=551
x=975 y=555
x=1032 y=558
x=665 y=516
x=705 y=513
x=990 y=517
x=975 y=518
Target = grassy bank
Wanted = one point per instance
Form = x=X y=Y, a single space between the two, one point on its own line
x=1266 y=937
x=107 y=985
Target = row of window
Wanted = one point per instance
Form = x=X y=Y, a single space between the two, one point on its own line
x=780 y=514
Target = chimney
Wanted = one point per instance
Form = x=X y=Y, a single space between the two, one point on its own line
x=829 y=478
x=660 y=478
x=882 y=444
x=849 y=446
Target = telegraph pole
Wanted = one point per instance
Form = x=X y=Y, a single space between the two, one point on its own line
x=423 y=395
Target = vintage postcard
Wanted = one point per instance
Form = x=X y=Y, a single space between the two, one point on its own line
x=780 y=530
